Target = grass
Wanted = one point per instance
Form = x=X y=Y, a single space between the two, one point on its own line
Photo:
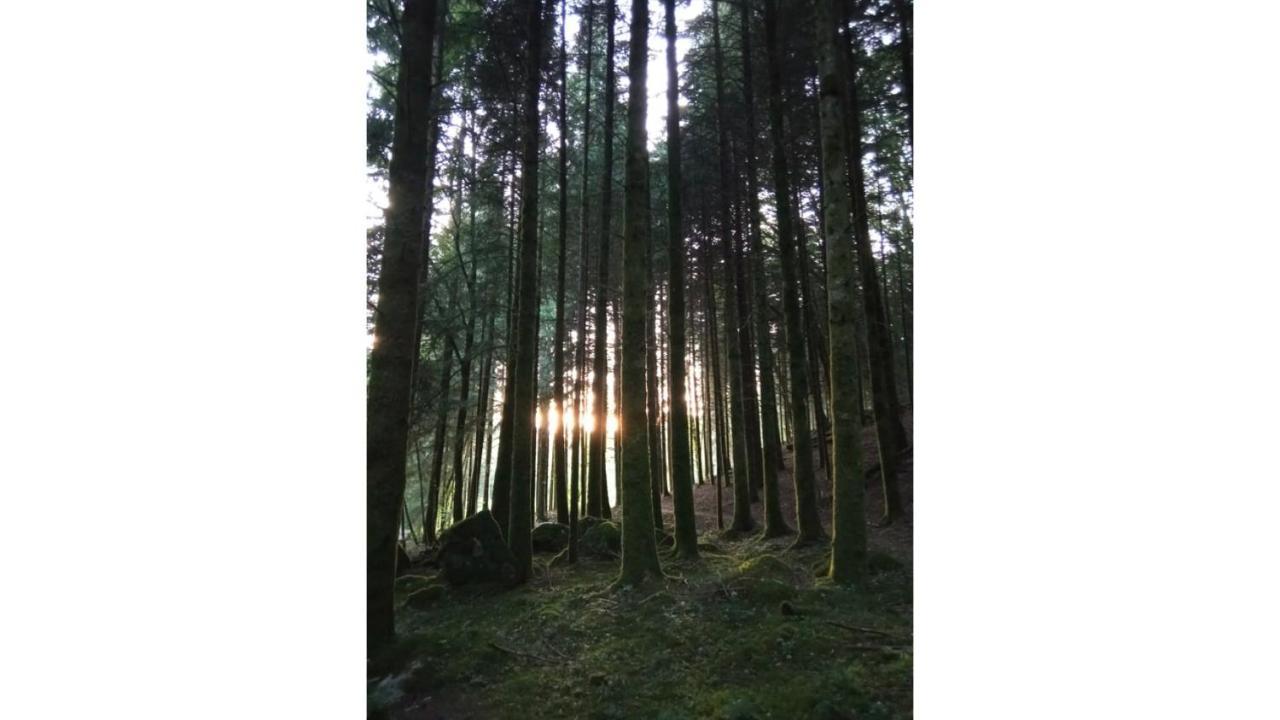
x=746 y=632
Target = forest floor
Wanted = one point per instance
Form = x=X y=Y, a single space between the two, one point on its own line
x=750 y=630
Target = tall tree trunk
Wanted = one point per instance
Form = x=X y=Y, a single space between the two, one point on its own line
x=597 y=491
x=890 y=434
x=391 y=360
x=543 y=464
x=849 y=532
x=810 y=524
x=639 y=548
x=686 y=529
x=902 y=8
x=580 y=472
x=717 y=388
x=652 y=392
x=774 y=524
x=742 y=520
x=742 y=296
x=438 y=443
x=817 y=343
x=559 y=438
x=482 y=420
x=459 y=433
x=502 y=467
x=522 y=436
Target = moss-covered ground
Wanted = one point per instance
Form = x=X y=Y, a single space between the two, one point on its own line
x=748 y=631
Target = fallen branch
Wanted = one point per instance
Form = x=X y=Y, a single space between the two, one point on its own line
x=869 y=631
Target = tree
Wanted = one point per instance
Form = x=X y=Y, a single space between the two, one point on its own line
x=561 y=493
x=742 y=520
x=392 y=358
x=849 y=533
x=686 y=533
x=810 y=524
x=639 y=548
x=523 y=381
x=597 y=490
x=774 y=524
x=890 y=435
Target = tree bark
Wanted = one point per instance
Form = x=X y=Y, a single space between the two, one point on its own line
x=686 y=531
x=597 y=491
x=890 y=434
x=522 y=435
x=639 y=548
x=774 y=524
x=391 y=360
x=559 y=440
x=742 y=520
x=849 y=533
x=810 y=524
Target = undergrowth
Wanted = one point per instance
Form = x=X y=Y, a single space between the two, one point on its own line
x=748 y=631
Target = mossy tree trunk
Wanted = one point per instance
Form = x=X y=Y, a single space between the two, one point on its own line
x=639 y=548
x=523 y=382
x=391 y=360
x=686 y=532
x=810 y=524
x=849 y=533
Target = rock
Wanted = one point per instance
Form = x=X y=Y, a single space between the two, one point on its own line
x=586 y=522
x=603 y=540
x=473 y=551
x=550 y=537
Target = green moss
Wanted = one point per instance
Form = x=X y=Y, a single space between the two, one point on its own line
x=711 y=643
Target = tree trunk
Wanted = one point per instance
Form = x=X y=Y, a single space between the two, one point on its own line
x=559 y=439
x=810 y=524
x=890 y=434
x=482 y=420
x=597 y=491
x=522 y=435
x=651 y=398
x=717 y=389
x=438 y=443
x=502 y=470
x=639 y=547
x=391 y=360
x=849 y=533
x=686 y=530
x=774 y=524
x=742 y=520
x=580 y=472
